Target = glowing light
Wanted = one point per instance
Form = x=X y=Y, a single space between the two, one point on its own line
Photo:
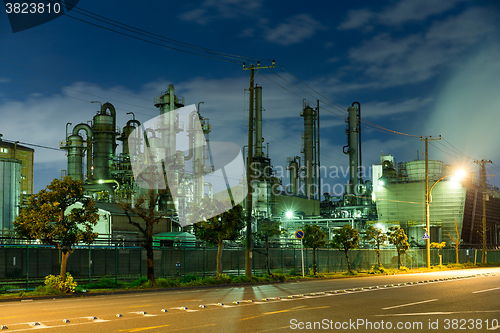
x=381 y=182
x=289 y=214
x=101 y=181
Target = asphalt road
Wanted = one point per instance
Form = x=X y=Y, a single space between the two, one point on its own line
x=430 y=302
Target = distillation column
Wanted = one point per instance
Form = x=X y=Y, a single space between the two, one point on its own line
x=309 y=124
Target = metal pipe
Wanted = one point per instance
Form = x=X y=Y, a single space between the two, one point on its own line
x=67 y=130
x=90 y=136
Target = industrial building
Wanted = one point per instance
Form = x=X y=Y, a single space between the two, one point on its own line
x=16 y=180
x=395 y=194
x=399 y=192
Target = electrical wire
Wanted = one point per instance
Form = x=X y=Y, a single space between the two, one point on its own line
x=179 y=46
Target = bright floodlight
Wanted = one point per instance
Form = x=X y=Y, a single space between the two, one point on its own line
x=381 y=182
x=289 y=214
x=460 y=173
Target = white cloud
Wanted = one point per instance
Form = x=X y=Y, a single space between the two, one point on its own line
x=402 y=12
x=216 y=9
x=357 y=19
x=411 y=10
x=420 y=56
x=294 y=30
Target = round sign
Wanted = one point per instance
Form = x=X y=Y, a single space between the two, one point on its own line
x=299 y=234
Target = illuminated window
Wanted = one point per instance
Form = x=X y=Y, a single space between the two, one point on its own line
x=4 y=150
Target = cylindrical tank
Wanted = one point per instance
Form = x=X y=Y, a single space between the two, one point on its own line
x=353 y=145
x=10 y=191
x=293 y=167
x=104 y=142
x=416 y=170
x=308 y=149
x=126 y=131
x=198 y=165
x=75 y=157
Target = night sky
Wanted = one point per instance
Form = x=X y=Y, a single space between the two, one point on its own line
x=421 y=67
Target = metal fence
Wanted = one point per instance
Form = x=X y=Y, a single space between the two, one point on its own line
x=30 y=263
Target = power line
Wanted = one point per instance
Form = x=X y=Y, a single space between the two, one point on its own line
x=179 y=46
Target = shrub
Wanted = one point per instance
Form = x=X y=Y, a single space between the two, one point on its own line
x=55 y=282
x=404 y=269
x=292 y=272
x=224 y=278
x=189 y=278
x=167 y=283
x=378 y=269
x=139 y=282
x=47 y=290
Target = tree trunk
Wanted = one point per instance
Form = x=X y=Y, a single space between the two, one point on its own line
x=65 y=252
x=150 y=257
x=314 y=261
x=219 y=256
x=456 y=251
x=399 y=260
x=348 y=262
x=378 y=258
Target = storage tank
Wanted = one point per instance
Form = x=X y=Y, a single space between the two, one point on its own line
x=104 y=130
x=416 y=170
x=10 y=191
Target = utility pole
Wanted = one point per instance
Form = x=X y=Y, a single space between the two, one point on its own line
x=248 y=252
x=483 y=186
x=427 y=217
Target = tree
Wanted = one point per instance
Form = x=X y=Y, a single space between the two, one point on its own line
x=268 y=230
x=398 y=238
x=456 y=241
x=49 y=218
x=144 y=206
x=376 y=237
x=217 y=229
x=314 y=237
x=438 y=246
x=345 y=239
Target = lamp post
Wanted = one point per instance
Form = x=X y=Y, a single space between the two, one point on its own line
x=458 y=174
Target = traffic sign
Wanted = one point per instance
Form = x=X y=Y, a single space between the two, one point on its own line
x=425 y=236
x=299 y=234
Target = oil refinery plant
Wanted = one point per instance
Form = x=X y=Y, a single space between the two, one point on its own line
x=394 y=193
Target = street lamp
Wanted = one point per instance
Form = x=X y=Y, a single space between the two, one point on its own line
x=457 y=175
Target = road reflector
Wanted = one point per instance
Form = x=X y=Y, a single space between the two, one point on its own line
x=119 y=315
x=65 y=320
x=202 y=306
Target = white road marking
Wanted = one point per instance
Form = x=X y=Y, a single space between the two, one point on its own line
x=482 y=291
x=408 y=304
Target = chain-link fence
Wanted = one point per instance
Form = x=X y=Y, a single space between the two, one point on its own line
x=30 y=263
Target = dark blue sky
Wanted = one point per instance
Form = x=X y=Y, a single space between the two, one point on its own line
x=419 y=67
